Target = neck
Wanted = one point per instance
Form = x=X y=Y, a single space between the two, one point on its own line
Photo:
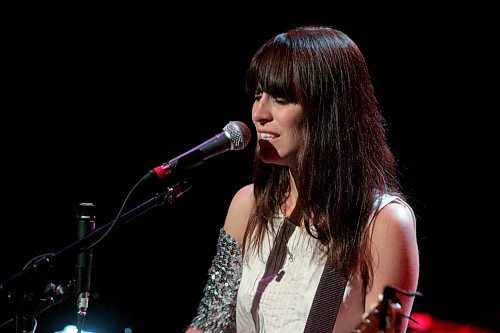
x=291 y=207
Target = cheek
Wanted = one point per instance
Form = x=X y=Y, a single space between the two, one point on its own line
x=295 y=114
x=296 y=124
x=294 y=121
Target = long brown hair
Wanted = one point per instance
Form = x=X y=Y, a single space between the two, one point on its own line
x=345 y=162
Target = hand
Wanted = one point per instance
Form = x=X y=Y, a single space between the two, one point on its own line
x=193 y=330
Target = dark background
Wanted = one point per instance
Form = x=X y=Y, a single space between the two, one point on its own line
x=93 y=98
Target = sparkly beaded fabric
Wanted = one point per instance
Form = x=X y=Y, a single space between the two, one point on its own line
x=217 y=308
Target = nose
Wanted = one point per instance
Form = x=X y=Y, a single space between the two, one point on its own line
x=261 y=109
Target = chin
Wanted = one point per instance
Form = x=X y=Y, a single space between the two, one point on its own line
x=270 y=155
x=273 y=160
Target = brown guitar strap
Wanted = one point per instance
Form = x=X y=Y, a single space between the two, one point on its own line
x=326 y=303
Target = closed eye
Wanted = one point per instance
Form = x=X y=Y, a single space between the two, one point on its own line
x=280 y=100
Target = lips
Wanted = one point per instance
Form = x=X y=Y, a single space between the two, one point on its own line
x=265 y=143
x=267 y=136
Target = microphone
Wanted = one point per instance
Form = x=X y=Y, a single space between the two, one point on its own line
x=234 y=136
x=86 y=224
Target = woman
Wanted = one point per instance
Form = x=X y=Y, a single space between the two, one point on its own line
x=311 y=244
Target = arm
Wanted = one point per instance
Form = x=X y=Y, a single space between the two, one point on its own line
x=217 y=309
x=239 y=212
x=395 y=253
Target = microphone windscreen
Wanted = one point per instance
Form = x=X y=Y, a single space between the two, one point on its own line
x=239 y=134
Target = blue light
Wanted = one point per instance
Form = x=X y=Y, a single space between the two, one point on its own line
x=71 y=329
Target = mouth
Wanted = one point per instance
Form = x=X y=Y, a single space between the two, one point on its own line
x=267 y=137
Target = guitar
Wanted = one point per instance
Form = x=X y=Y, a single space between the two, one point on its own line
x=386 y=316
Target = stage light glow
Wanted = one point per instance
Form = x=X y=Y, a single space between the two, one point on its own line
x=71 y=329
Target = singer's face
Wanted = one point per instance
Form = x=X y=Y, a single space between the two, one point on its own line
x=277 y=122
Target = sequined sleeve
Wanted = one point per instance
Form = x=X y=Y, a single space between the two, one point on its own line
x=217 y=308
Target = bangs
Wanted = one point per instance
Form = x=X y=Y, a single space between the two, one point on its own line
x=271 y=70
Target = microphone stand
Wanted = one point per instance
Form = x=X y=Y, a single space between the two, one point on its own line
x=83 y=267
x=24 y=319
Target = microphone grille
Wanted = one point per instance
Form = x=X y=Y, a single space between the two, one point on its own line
x=239 y=134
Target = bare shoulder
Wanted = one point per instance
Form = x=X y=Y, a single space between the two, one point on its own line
x=395 y=217
x=395 y=251
x=394 y=230
x=239 y=212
